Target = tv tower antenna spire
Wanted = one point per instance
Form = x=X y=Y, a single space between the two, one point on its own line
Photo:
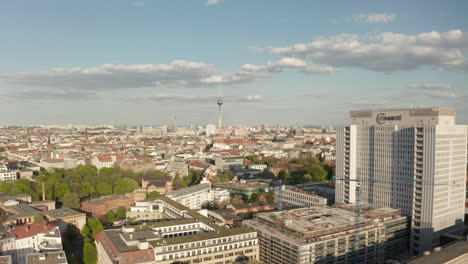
x=220 y=123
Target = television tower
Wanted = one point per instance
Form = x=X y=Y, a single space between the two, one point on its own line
x=220 y=123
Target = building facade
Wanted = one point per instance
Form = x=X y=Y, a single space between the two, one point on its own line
x=296 y=197
x=100 y=206
x=410 y=159
x=185 y=237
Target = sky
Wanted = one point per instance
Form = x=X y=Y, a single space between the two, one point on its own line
x=273 y=61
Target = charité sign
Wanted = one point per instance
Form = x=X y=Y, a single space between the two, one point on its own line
x=381 y=118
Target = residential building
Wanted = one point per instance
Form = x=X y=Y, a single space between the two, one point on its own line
x=326 y=234
x=52 y=164
x=177 y=167
x=7 y=242
x=36 y=237
x=410 y=159
x=136 y=165
x=6 y=175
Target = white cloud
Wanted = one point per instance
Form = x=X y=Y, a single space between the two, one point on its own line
x=373 y=18
x=297 y=64
x=213 y=2
x=385 y=52
x=189 y=98
x=436 y=90
x=431 y=86
x=138 y=3
x=177 y=73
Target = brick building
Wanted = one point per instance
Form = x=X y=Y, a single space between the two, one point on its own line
x=102 y=205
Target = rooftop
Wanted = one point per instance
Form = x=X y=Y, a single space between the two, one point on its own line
x=47 y=258
x=189 y=190
x=457 y=250
x=63 y=212
x=5 y=259
x=104 y=199
x=29 y=230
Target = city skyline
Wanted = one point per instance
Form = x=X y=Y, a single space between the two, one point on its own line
x=142 y=62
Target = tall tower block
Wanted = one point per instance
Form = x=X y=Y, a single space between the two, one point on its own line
x=220 y=123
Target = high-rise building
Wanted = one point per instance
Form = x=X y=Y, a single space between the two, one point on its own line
x=410 y=159
x=210 y=130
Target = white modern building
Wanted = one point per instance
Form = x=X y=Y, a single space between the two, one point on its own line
x=410 y=159
x=210 y=130
x=258 y=166
x=7 y=175
x=194 y=197
x=296 y=197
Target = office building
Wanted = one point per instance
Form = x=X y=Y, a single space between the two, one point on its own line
x=296 y=197
x=326 y=234
x=410 y=159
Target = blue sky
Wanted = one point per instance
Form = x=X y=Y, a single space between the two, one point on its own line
x=277 y=62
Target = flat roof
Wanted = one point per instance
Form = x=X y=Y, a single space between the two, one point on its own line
x=63 y=212
x=447 y=253
x=47 y=258
x=189 y=190
x=102 y=200
x=434 y=111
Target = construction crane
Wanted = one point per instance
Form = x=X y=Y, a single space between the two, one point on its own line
x=358 y=203
x=279 y=189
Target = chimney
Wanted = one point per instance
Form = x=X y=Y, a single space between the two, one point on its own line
x=43 y=191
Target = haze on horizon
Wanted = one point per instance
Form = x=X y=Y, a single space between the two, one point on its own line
x=277 y=62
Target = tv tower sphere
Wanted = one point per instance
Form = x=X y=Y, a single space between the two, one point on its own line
x=220 y=102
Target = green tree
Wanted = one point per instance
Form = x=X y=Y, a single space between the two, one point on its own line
x=86 y=230
x=21 y=186
x=178 y=182
x=2 y=149
x=103 y=188
x=110 y=217
x=121 y=213
x=89 y=253
x=61 y=189
x=125 y=185
x=253 y=198
x=38 y=218
x=284 y=175
x=307 y=178
x=88 y=189
x=95 y=226
x=71 y=200
x=3 y=158
x=237 y=199
x=270 y=196
x=153 y=195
